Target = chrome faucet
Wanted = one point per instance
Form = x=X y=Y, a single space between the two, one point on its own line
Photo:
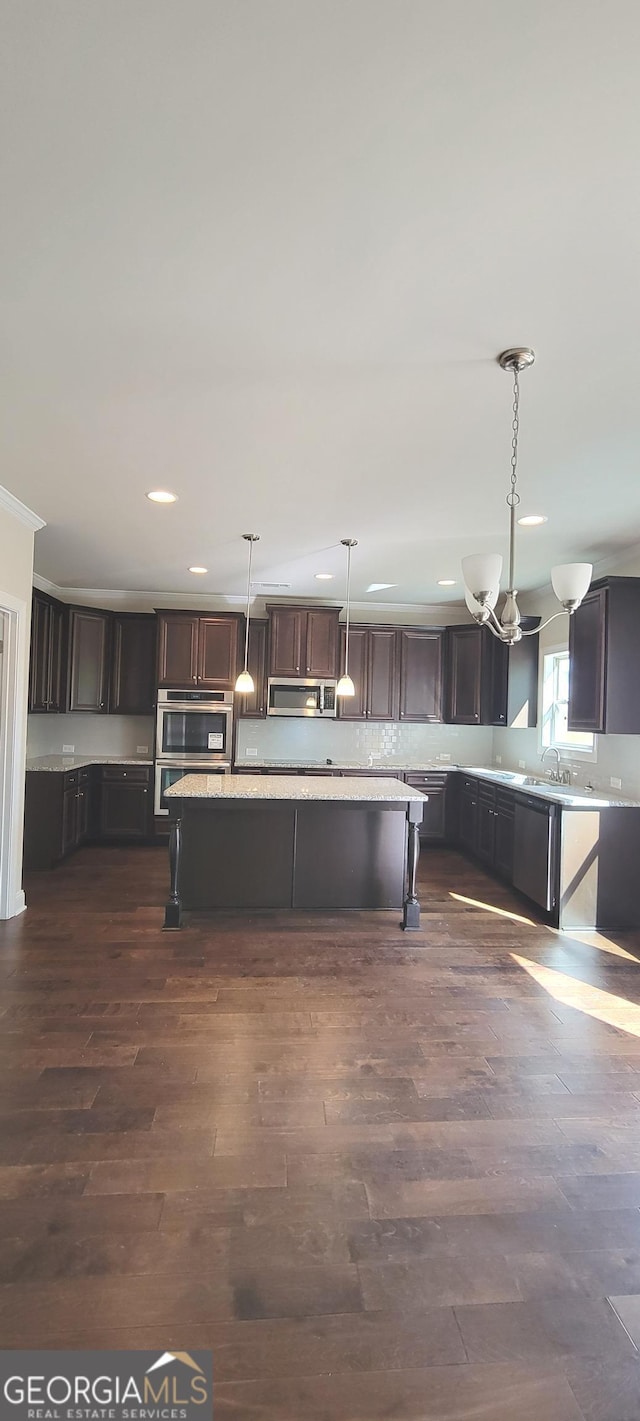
x=559 y=777
x=553 y=774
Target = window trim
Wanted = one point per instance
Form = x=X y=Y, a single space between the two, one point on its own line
x=566 y=750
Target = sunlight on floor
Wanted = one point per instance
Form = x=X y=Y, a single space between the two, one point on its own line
x=593 y=1001
x=603 y=944
x=488 y=908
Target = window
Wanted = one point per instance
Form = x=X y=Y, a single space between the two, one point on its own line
x=555 y=707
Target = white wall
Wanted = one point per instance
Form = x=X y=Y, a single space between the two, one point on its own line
x=17 y=526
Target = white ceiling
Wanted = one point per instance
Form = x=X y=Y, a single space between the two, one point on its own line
x=264 y=253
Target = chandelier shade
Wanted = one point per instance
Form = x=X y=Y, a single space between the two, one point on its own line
x=571 y=581
x=482 y=573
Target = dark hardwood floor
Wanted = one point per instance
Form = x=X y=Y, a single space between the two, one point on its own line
x=380 y=1175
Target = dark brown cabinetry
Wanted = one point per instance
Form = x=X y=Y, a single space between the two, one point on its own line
x=489 y=683
x=434 y=816
x=198 y=651
x=64 y=810
x=59 y=812
x=303 y=641
x=254 y=706
x=47 y=648
x=604 y=659
x=421 y=673
x=88 y=660
x=373 y=667
x=468 y=815
x=124 y=802
x=133 y=664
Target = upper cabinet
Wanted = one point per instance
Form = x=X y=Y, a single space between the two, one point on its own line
x=133 y=664
x=604 y=659
x=254 y=706
x=198 y=650
x=47 y=649
x=303 y=641
x=464 y=674
x=489 y=683
x=88 y=669
x=373 y=667
x=421 y=673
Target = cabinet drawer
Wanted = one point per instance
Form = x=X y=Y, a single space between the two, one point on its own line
x=505 y=803
x=70 y=779
x=470 y=786
x=426 y=782
x=139 y=774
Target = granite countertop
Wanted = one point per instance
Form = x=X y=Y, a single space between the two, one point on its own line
x=570 y=797
x=380 y=766
x=288 y=787
x=60 y=763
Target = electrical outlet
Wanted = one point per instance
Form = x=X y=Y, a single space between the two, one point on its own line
x=615 y=783
x=498 y=759
x=68 y=749
x=251 y=752
x=522 y=764
x=445 y=757
x=142 y=749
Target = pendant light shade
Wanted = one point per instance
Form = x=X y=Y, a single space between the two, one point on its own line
x=345 y=686
x=244 y=684
x=482 y=573
x=571 y=582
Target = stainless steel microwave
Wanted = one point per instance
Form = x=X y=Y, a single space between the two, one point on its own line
x=301 y=696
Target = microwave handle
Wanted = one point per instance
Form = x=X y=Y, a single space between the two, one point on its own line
x=321 y=707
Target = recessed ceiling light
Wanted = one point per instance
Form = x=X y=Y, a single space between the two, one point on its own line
x=447 y=582
x=380 y=586
x=324 y=576
x=532 y=520
x=160 y=495
x=198 y=569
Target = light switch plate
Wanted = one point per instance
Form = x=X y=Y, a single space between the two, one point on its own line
x=68 y=749
x=498 y=759
x=522 y=764
x=615 y=783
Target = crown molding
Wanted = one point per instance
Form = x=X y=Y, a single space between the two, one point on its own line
x=19 y=510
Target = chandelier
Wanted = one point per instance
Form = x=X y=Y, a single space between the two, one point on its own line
x=482 y=571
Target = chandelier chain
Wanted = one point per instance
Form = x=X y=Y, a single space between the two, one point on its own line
x=513 y=497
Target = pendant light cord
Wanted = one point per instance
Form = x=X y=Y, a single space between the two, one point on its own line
x=250 y=541
x=513 y=497
x=346 y=643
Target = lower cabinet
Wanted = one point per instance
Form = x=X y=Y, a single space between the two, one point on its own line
x=514 y=835
x=434 y=817
x=64 y=810
x=124 y=802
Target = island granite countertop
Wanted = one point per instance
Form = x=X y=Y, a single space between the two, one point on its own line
x=348 y=789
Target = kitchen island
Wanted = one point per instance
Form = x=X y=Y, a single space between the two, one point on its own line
x=281 y=841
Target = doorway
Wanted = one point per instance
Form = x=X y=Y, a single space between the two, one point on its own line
x=14 y=653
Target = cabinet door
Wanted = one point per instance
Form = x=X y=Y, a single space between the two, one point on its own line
x=485 y=842
x=322 y=643
x=254 y=706
x=83 y=808
x=124 y=805
x=177 y=650
x=421 y=674
x=465 y=666
x=503 y=847
x=382 y=699
x=88 y=648
x=133 y=665
x=469 y=820
x=39 y=662
x=587 y=652
x=355 y=707
x=288 y=625
x=56 y=657
x=69 y=818
x=218 y=653
x=433 y=826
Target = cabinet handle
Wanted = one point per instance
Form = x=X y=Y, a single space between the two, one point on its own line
x=145 y=791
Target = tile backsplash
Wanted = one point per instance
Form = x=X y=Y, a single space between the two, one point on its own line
x=89 y=734
x=293 y=739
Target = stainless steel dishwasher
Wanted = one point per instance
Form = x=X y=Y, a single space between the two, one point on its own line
x=534 y=860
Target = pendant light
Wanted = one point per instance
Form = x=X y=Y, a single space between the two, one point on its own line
x=482 y=571
x=244 y=684
x=345 y=686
